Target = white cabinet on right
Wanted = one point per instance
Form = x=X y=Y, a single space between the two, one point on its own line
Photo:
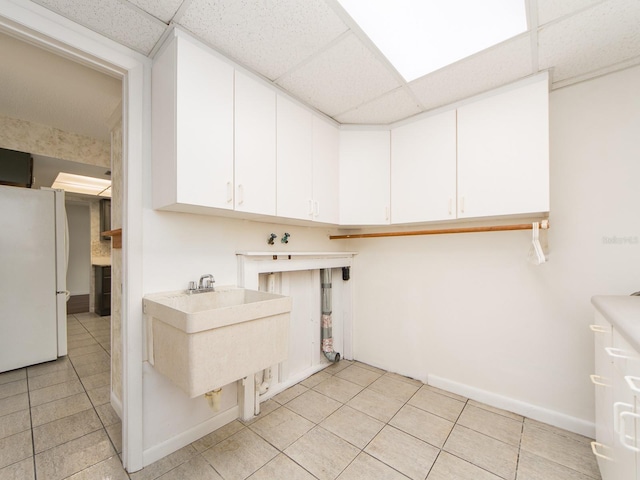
x=503 y=152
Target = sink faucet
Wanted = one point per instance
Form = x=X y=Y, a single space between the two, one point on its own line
x=204 y=285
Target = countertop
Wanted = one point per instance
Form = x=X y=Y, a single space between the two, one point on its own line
x=101 y=261
x=624 y=314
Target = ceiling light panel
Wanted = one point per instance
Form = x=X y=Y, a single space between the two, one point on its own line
x=70 y=182
x=419 y=37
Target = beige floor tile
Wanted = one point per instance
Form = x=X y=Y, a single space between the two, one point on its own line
x=79 y=351
x=218 y=435
x=559 y=431
x=97 y=380
x=353 y=426
x=337 y=367
x=571 y=452
x=533 y=467
x=14 y=404
x=15 y=422
x=485 y=452
x=59 y=365
x=94 y=357
x=313 y=406
x=115 y=435
x=282 y=427
x=282 y=467
x=370 y=367
x=393 y=388
x=338 y=389
x=358 y=375
x=499 y=411
x=376 y=405
x=83 y=342
x=13 y=388
x=322 y=453
x=109 y=469
x=423 y=425
x=195 y=469
x=492 y=424
x=403 y=452
x=15 y=448
x=88 y=369
x=446 y=393
x=56 y=378
x=240 y=455
x=449 y=467
x=107 y=414
x=438 y=404
x=100 y=395
x=74 y=456
x=315 y=379
x=402 y=378
x=65 y=429
x=290 y=393
x=265 y=409
x=48 y=412
x=13 y=375
x=55 y=392
x=365 y=467
x=165 y=464
x=22 y=470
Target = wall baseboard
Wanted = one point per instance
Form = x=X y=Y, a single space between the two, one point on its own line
x=78 y=304
x=174 y=444
x=551 y=417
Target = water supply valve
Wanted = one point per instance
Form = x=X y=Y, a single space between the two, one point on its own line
x=285 y=238
x=271 y=238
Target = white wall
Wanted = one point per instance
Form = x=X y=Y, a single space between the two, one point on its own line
x=179 y=247
x=469 y=312
x=79 y=270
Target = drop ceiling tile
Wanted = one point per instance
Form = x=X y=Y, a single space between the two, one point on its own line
x=162 y=9
x=388 y=108
x=549 y=10
x=596 y=38
x=267 y=36
x=113 y=19
x=341 y=78
x=491 y=68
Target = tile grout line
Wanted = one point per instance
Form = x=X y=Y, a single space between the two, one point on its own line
x=33 y=441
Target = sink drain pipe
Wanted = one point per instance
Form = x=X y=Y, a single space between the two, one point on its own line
x=327 y=322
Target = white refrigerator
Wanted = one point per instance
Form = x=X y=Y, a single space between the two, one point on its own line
x=33 y=303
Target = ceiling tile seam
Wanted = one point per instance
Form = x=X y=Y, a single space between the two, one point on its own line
x=388 y=92
x=532 y=7
x=599 y=72
x=314 y=55
x=142 y=12
x=181 y=11
x=161 y=41
x=572 y=14
x=366 y=41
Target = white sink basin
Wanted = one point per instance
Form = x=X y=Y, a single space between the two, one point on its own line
x=207 y=340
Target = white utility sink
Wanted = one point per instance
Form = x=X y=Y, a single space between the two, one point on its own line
x=204 y=341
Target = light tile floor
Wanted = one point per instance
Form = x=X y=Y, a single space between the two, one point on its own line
x=348 y=422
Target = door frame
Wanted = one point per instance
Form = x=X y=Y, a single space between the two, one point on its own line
x=41 y=27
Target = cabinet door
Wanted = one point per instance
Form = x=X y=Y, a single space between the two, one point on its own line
x=423 y=170
x=503 y=153
x=326 y=186
x=294 y=160
x=364 y=177
x=255 y=146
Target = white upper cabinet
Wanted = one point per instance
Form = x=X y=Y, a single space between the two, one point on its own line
x=503 y=152
x=192 y=128
x=364 y=177
x=294 y=159
x=255 y=146
x=423 y=170
x=326 y=174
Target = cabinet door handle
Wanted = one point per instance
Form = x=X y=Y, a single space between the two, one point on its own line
x=229 y=192
x=316 y=210
x=386 y=213
x=623 y=434
x=240 y=194
x=450 y=206
x=598 y=329
x=310 y=207
x=631 y=381
x=597 y=380
x=461 y=204
x=594 y=448
x=616 y=352
x=617 y=415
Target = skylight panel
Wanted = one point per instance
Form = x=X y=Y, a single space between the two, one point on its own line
x=421 y=36
x=81 y=184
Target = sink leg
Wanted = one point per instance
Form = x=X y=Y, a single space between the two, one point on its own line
x=246 y=398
